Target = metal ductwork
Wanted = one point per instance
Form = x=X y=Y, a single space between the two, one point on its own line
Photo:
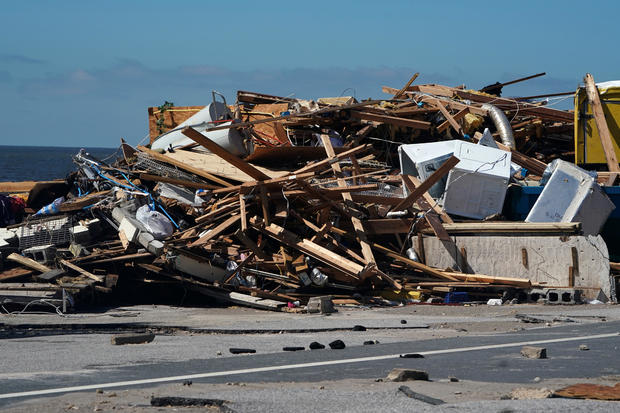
x=501 y=124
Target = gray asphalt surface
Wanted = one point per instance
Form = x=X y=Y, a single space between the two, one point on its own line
x=60 y=361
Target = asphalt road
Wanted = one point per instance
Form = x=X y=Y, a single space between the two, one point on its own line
x=494 y=358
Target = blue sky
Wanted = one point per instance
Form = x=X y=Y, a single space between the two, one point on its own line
x=82 y=73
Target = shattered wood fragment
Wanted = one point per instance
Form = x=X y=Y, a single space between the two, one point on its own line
x=426 y=185
x=215 y=231
x=81 y=271
x=28 y=262
x=202 y=140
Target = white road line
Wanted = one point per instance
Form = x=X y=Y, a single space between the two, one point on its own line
x=292 y=366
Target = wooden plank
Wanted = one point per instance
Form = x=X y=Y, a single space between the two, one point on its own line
x=296 y=115
x=425 y=186
x=325 y=162
x=249 y=243
x=482 y=227
x=126 y=257
x=458 y=116
x=211 y=215
x=392 y=120
x=264 y=203
x=517 y=282
x=14 y=273
x=179 y=182
x=388 y=225
x=28 y=262
x=223 y=226
x=351 y=188
x=275 y=182
x=402 y=91
x=601 y=124
x=418 y=266
x=244 y=220
x=81 y=271
x=426 y=202
x=75 y=204
x=357 y=224
x=196 y=171
x=448 y=116
x=23 y=186
x=239 y=163
x=310 y=248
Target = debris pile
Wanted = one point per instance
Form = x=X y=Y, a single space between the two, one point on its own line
x=274 y=200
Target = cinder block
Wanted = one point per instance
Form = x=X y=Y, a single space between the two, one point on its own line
x=563 y=296
x=322 y=304
x=43 y=254
x=80 y=234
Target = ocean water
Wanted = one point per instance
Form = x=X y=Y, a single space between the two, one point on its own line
x=40 y=163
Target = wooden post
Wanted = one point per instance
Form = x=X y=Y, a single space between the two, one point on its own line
x=601 y=124
x=357 y=223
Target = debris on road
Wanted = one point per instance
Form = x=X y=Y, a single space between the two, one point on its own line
x=419 y=396
x=399 y=374
x=122 y=339
x=435 y=194
x=532 y=352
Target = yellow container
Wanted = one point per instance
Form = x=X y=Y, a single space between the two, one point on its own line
x=588 y=147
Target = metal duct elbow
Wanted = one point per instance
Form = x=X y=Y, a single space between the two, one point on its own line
x=501 y=124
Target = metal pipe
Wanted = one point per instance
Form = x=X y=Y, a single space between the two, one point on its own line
x=501 y=124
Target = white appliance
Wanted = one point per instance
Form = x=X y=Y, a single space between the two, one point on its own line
x=476 y=186
x=572 y=195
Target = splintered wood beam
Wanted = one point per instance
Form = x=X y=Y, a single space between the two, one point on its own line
x=426 y=202
x=244 y=221
x=81 y=271
x=402 y=91
x=449 y=118
x=28 y=262
x=430 y=214
x=458 y=116
x=516 y=282
x=325 y=162
x=357 y=223
x=308 y=247
x=275 y=182
x=249 y=243
x=427 y=184
x=392 y=120
x=414 y=264
x=264 y=203
x=211 y=215
x=601 y=124
x=196 y=171
x=223 y=226
x=324 y=232
x=216 y=149
x=180 y=182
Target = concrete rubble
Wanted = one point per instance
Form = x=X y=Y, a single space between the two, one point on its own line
x=435 y=194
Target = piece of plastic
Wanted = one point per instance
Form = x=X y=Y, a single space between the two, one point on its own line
x=411 y=254
x=318 y=277
x=494 y=301
x=51 y=209
x=155 y=222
